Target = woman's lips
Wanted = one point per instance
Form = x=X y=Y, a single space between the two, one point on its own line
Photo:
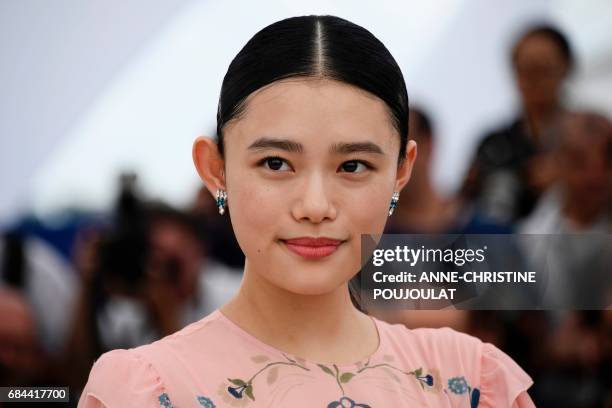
x=312 y=248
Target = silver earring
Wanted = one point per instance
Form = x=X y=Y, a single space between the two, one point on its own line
x=221 y=200
x=394 y=200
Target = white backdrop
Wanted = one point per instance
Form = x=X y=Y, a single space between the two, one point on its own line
x=93 y=88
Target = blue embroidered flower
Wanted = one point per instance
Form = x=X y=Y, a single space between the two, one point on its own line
x=240 y=387
x=236 y=391
x=164 y=401
x=206 y=402
x=346 y=402
x=426 y=379
x=458 y=385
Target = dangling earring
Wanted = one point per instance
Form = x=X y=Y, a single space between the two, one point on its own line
x=394 y=200
x=221 y=200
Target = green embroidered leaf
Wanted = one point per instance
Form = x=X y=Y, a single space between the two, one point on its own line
x=249 y=392
x=237 y=381
x=346 y=377
x=260 y=359
x=272 y=375
x=418 y=372
x=327 y=370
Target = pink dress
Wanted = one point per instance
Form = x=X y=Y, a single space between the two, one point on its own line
x=215 y=363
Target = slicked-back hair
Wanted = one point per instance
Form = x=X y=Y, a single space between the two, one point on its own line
x=325 y=47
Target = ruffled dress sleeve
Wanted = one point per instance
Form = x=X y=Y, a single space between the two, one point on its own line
x=503 y=382
x=123 y=378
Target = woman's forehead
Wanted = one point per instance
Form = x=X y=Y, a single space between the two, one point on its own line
x=314 y=111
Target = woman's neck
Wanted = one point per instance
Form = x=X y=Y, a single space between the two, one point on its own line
x=322 y=328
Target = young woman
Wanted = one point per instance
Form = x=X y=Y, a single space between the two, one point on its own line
x=312 y=152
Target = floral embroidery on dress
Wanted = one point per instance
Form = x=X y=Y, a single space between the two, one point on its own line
x=240 y=392
x=341 y=379
x=235 y=391
x=164 y=401
x=238 y=388
x=206 y=402
x=346 y=402
x=459 y=386
x=427 y=379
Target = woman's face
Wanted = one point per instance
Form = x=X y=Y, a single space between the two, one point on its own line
x=310 y=158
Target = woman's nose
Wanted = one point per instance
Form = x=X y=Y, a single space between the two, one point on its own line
x=313 y=201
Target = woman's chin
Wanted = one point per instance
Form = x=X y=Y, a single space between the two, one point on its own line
x=310 y=286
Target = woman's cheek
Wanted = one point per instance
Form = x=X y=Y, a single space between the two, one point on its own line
x=254 y=213
x=368 y=212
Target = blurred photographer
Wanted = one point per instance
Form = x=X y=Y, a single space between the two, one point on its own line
x=145 y=278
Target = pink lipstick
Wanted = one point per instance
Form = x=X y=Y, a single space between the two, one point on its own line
x=313 y=248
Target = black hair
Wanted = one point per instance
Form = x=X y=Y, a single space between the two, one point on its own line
x=553 y=33
x=320 y=47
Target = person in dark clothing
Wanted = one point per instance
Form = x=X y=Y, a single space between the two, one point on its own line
x=512 y=165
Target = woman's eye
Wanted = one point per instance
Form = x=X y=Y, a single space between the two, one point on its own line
x=275 y=163
x=354 y=166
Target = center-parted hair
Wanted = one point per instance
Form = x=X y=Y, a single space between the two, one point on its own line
x=317 y=47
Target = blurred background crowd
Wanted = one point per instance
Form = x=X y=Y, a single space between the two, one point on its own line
x=84 y=279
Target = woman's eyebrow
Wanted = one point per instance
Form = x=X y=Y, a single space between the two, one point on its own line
x=281 y=144
x=295 y=147
x=357 y=147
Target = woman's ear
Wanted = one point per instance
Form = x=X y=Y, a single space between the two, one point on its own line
x=209 y=163
x=405 y=170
